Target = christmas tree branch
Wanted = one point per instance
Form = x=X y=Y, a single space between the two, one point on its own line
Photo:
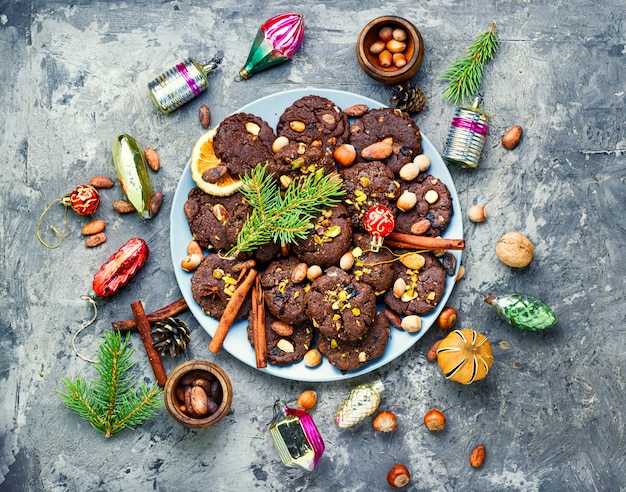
x=465 y=75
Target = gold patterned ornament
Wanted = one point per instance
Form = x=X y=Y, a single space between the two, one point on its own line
x=361 y=402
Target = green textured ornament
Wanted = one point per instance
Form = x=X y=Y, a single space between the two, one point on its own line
x=361 y=402
x=523 y=311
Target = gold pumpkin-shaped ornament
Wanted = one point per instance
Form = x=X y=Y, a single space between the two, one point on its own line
x=465 y=356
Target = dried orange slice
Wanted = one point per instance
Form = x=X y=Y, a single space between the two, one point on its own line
x=203 y=158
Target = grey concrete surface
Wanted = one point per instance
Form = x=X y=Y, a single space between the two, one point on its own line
x=550 y=413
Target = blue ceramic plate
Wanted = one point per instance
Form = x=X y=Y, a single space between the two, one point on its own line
x=270 y=108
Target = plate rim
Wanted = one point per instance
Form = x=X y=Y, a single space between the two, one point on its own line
x=299 y=371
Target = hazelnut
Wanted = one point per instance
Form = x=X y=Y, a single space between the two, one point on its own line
x=313 y=272
x=377 y=47
x=398 y=476
x=407 y=201
x=347 y=261
x=399 y=60
x=412 y=323
x=385 y=421
x=399 y=34
x=307 y=400
x=345 y=155
x=279 y=143
x=409 y=171
x=395 y=46
x=515 y=250
x=447 y=318
x=435 y=420
x=399 y=287
x=385 y=58
x=431 y=196
x=385 y=33
x=423 y=162
x=477 y=213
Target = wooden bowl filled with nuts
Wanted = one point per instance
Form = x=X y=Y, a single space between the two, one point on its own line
x=198 y=394
x=390 y=49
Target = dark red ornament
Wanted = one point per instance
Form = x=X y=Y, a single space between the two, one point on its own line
x=379 y=222
x=84 y=200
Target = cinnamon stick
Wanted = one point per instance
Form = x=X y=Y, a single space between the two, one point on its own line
x=176 y=307
x=410 y=241
x=231 y=311
x=143 y=325
x=258 y=324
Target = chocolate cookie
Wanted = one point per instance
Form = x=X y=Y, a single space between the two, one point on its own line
x=242 y=141
x=339 y=306
x=379 y=124
x=368 y=184
x=299 y=159
x=215 y=221
x=424 y=287
x=372 y=268
x=284 y=297
x=348 y=356
x=329 y=239
x=210 y=282
x=283 y=350
x=434 y=204
x=314 y=120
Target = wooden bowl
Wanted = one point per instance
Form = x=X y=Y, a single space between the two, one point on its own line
x=196 y=369
x=414 y=51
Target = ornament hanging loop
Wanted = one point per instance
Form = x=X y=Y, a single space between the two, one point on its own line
x=85 y=325
x=60 y=235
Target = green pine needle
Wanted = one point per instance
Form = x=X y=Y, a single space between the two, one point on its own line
x=466 y=75
x=286 y=218
x=112 y=402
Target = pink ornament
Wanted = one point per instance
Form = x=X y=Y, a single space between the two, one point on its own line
x=379 y=222
x=276 y=41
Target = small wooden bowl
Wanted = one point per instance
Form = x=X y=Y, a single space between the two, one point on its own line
x=369 y=62
x=201 y=369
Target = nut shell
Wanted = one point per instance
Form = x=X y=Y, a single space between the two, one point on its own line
x=515 y=250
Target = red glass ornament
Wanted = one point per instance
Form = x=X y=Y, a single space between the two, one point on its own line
x=84 y=200
x=379 y=222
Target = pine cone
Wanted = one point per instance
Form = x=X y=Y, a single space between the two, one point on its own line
x=171 y=335
x=408 y=97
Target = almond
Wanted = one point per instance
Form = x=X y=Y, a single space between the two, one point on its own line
x=356 y=110
x=512 y=137
x=123 y=207
x=431 y=355
x=477 y=456
x=152 y=159
x=204 y=115
x=377 y=151
x=299 y=273
x=102 y=182
x=93 y=227
x=281 y=328
x=420 y=227
x=95 y=240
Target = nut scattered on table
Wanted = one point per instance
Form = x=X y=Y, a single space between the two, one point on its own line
x=435 y=420
x=515 y=250
x=477 y=213
x=477 y=456
x=204 y=115
x=152 y=159
x=512 y=137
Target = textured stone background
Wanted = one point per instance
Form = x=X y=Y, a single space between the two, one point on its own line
x=551 y=412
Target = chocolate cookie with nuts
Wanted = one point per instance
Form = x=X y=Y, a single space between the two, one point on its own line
x=388 y=135
x=340 y=306
x=285 y=284
x=286 y=344
x=300 y=159
x=375 y=269
x=432 y=211
x=314 y=120
x=215 y=221
x=242 y=141
x=329 y=239
x=416 y=291
x=368 y=184
x=348 y=356
x=213 y=283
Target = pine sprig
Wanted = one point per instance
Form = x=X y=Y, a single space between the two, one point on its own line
x=466 y=75
x=286 y=218
x=112 y=402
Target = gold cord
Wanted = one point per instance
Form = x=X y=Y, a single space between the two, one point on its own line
x=85 y=325
x=61 y=235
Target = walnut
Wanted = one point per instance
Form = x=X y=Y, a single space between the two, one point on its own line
x=515 y=250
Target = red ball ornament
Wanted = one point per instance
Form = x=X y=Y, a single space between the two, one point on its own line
x=379 y=222
x=84 y=200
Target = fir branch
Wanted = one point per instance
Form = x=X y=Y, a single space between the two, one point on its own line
x=112 y=403
x=466 y=75
x=286 y=218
